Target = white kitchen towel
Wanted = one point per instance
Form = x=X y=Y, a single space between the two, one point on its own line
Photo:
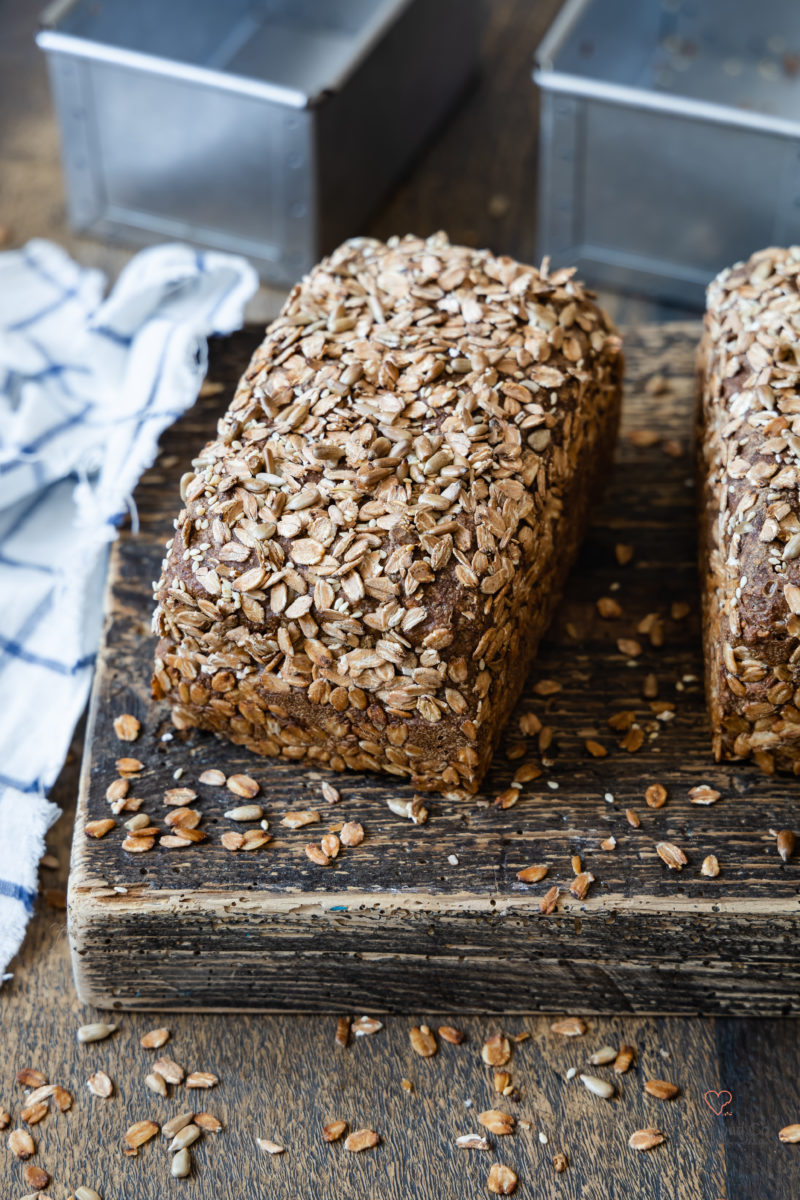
x=86 y=387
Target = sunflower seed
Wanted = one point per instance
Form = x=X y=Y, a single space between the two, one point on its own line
x=21 y=1143
x=790 y=1133
x=139 y=1133
x=710 y=866
x=472 y=1141
x=181 y=1165
x=126 y=727
x=175 y=1124
x=154 y=1039
x=87 y=1193
x=201 y=1079
x=245 y=812
x=100 y=1085
x=598 y=1087
x=184 y=1137
x=449 y=1034
x=672 y=855
x=95 y=1032
x=604 y=1055
x=532 y=874
x=422 y=1041
x=624 y=1059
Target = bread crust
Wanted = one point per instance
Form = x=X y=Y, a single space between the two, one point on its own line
x=748 y=444
x=373 y=545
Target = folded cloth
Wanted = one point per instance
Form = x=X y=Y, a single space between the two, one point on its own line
x=86 y=387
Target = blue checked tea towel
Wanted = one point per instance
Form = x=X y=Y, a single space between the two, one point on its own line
x=87 y=385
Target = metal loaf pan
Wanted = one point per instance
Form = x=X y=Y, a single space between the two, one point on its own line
x=670 y=139
x=268 y=128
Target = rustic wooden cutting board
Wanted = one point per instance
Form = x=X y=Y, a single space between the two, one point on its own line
x=433 y=915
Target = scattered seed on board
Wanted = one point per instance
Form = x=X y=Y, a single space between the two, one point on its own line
x=785 y=842
x=598 y=1087
x=560 y=1163
x=532 y=874
x=334 y=1130
x=422 y=1041
x=672 y=855
x=549 y=901
x=181 y=1165
x=645 y=1139
x=317 y=855
x=296 y=820
x=624 y=1059
x=790 y=1134
x=242 y=785
x=127 y=727
x=87 y=1193
x=245 y=812
x=329 y=792
x=213 y=778
x=362 y=1139
x=569 y=1027
x=502 y=1181
x=710 y=866
x=656 y=795
x=351 y=833
x=96 y=1032
x=703 y=794
x=99 y=829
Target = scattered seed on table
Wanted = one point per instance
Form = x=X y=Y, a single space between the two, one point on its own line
x=334 y=1130
x=496 y=1050
x=624 y=1059
x=243 y=785
x=549 y=900
x=99 y=1084
x=598 y=1087
x=603 y=1056
x=181 y=1165
x=169 y=1070
x=270 y=1147
x=472 y=1141
x=186 y=1136
x=176 y=1123
x=452 y=1035
x=207 y=1122
x=502 y=1181
x=703 y=794
x=362 y=1139
x=785 y=841
x=99 y=829
x=645 y=1139
x=154 y=1039
x=672 y=855
x=212 y=778
x=661 y=1089
x=35 y=1177
x=21 y=1143
x=155 y=1083
x=351 y=833
x=710 y=866
x=98 y=1031
x=422 y=1041
x=139 y=1133
x=201 y=1079
x=569 y=1027
x=560 y=1163
x=790 y=1134
x=656 y=795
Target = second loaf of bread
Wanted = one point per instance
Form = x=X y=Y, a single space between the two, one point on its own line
x=749 y=457
x=372 y=547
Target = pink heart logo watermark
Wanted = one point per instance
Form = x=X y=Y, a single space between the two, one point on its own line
x=717 y=1101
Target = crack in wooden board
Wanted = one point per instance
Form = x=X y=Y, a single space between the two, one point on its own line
x=396 y=897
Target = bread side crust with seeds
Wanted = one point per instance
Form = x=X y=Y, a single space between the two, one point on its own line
x=749 y=463
x=372 y=547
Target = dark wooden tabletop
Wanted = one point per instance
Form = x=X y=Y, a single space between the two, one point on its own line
x=283 y=1077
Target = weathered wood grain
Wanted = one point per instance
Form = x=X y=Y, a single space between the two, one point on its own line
x=283 y=1077
x=395 y=921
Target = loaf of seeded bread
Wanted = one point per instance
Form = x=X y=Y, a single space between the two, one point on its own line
x=749 y=460
x=371 y=549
